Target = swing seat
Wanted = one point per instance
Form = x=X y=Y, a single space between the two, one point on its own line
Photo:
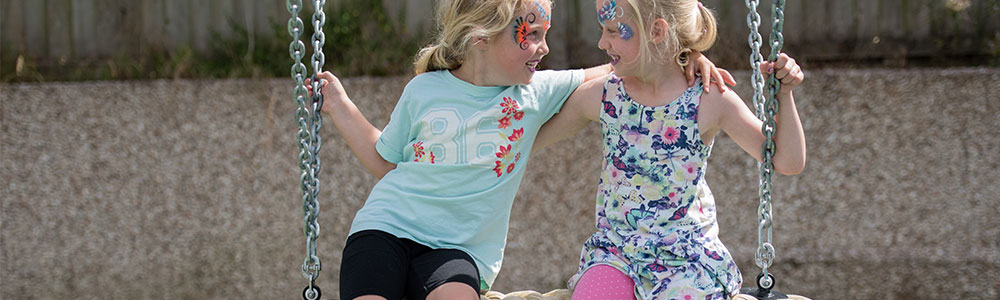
x=748 y=297
x=559 y=294
x=564 y=294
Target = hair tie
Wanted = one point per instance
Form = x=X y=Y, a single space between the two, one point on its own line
x=700 y=5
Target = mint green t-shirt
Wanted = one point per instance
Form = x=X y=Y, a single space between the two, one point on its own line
x=460 y=152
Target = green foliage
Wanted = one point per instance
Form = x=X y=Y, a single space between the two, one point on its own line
x=361 y=39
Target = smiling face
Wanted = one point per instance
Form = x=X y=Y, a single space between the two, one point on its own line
x=517 y=51
x=618 y=36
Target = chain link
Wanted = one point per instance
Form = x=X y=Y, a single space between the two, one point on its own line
x=757 y=79
x=309 y=121
x=766 y=109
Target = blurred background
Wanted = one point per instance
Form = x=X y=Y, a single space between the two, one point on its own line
x=56 y=40
x=148 y=148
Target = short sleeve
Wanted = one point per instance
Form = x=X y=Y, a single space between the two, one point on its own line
x=396 y=134
x=553 y=88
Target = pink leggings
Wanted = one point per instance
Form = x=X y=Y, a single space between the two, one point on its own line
x=603 y=282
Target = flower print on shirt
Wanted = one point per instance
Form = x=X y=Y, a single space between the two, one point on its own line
x=419 y=154
x=516 y=136
x=509 y=106
x=507 y=155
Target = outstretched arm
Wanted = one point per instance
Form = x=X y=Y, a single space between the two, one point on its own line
x=596 y=72
x=699 y=64
x=357 y=131
x=583 y=106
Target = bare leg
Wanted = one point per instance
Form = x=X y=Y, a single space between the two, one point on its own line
x=453 y=290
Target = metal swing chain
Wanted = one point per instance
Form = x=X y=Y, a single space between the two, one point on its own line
x=766 y=110
x=309 y=121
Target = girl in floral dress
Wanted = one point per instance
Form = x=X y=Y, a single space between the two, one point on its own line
x=657 y=234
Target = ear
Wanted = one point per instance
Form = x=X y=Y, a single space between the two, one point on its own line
x=658 y=30
x=481 y=42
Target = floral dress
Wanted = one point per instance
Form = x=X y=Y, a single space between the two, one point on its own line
x=656 y=218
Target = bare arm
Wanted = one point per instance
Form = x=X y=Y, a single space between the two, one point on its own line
x=790 y=156
x=736 y=119
x=357 y=131
x=583 y=106
x=699 y=64
x=596 y=72
x=710 y=73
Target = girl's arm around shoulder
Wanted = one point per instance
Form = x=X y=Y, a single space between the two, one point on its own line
x=356 y=130
x=596 y=72
x=583 y=106
x=701 y=64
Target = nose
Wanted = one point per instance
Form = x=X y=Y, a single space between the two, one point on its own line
x=603 y=43
x=544 y=48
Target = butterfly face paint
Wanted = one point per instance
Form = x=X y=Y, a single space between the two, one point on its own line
x=624 y=31
x=522 y=25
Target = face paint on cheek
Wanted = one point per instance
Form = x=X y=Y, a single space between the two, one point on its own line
x=521 y=29
x=625 y=31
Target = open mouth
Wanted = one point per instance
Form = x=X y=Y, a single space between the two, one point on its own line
x=532 y=65
x=615 y=59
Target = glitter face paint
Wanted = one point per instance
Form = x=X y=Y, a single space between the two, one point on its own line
x=609 y=11
x=546 y=17
x=624 y=31
x=522 y=25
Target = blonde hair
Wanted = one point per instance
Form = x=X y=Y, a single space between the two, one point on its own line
x=459 y=23
x=692 y=27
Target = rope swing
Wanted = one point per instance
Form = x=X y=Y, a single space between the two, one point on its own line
x=766 y=109
x=309 y=120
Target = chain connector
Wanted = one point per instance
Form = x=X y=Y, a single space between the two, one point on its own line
x=311 y=292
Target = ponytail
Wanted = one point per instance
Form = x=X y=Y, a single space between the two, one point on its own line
x=692 y=27
x=700 y=38
x=459 y=23
x=708 y=28
x=435 y=57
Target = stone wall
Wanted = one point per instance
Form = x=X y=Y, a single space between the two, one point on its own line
x=189 y=190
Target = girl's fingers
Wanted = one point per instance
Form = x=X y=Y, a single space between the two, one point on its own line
x=766 y=67
x=781 y=62
x=689 y=74
x=728 y=78
x=797 y=75
x=706 y=77
x=717 y=79
x=782 y=73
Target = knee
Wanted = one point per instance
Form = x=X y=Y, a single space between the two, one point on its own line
x=453 y=290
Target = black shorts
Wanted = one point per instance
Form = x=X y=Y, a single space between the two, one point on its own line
x=378 y=263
